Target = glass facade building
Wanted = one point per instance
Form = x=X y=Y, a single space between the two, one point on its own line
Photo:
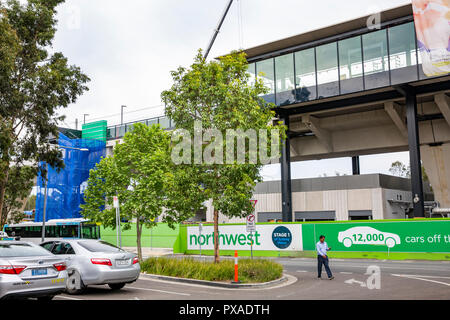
x=377 y=59
x=117 y=132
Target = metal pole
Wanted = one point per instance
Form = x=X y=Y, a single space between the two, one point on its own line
x=120 y=227
x=251 y=245
x=121 y=114
x=355 y=166
x=199 y=238
x=45 y=203
x=286 y=190
x=117 y=227
x=84 y=118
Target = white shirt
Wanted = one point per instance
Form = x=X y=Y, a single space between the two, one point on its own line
x=322 y=248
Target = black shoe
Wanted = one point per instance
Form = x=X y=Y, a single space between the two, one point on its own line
x=320 y=278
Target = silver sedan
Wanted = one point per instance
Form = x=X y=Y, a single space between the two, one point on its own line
x=28 y=271
x=95 y=262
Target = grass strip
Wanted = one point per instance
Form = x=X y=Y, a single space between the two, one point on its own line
x=250 y=271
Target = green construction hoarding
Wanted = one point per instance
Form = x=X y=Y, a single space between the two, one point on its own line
x=402 y=236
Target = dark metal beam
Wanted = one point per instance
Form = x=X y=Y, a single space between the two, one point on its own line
x=414 y=149
x=355 y=166
x=363 y=99
x=286 y=188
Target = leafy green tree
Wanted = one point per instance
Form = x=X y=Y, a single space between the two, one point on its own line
x=34 y=84
x=138 y=173
x=219 y=96
x=20 y=183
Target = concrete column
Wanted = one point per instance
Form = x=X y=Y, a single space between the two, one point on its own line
x=436 y=161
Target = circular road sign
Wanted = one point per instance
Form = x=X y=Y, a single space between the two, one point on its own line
x=282 y=237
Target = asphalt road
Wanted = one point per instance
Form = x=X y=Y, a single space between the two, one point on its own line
x=397 y=280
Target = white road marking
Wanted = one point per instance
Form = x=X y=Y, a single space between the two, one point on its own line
x=162 y=291
x=352 y=281
x=302 y=271
x=346 y=272
x=420 y=278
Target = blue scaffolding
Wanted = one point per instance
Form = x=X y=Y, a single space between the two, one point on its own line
x=65 y=191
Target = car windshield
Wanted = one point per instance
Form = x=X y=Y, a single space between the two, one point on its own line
x=99 y=246
x=14 y=249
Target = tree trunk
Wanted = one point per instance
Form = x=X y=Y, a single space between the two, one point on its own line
x=216 y=237
x=2 y=195
x=138 y=240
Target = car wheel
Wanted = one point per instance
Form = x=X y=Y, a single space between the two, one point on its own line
x=390 y=243
x=45 y=298
x=74 y=283
x=347 y=242
x=116 y=286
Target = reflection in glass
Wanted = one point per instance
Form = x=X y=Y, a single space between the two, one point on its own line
x=284 y=75
x=252 y=73
x=402 y=53
x=111 y=133
x=151 y=122
x=376 y=65
x=164 y=122
x=327 y=70
x=121 y=131
x=350 y=65
x=265 y=71
x=305 y=75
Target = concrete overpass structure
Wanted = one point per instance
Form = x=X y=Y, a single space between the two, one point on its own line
x=347 y=90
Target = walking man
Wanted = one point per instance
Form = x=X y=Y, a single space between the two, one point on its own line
x=322 y=258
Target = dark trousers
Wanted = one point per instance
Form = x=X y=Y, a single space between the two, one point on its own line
x=323 y=261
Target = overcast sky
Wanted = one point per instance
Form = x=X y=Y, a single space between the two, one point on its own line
x=128 y=49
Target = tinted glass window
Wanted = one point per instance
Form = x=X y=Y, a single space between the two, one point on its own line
x=120 y=131
x=14 y=249
x=284 y=74
x=327 y=70
x=90 y=232
x=265 y=72
x=164 y=122
x=402 y=53
x=350 y=65
x=252 y=73
x=376 y=61
x=99 y=246
x=305 y=75
x=63 y=248
x=152 y=122
x=48 y=246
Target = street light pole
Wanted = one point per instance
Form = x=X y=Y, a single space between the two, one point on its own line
x=121 y=114
x=45 y=202
x=84 y=118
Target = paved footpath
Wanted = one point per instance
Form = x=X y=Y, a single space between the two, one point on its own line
x=398 y=280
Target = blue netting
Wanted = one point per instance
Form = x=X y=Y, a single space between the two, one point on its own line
x=66 y=188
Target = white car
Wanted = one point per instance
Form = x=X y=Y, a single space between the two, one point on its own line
x=369 y=236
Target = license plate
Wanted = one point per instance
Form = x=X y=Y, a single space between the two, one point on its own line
x=39 y=272
x=122 y=262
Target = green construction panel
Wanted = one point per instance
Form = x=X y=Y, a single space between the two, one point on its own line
x=403 y=236
x=160 y=236
x=95 y=130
